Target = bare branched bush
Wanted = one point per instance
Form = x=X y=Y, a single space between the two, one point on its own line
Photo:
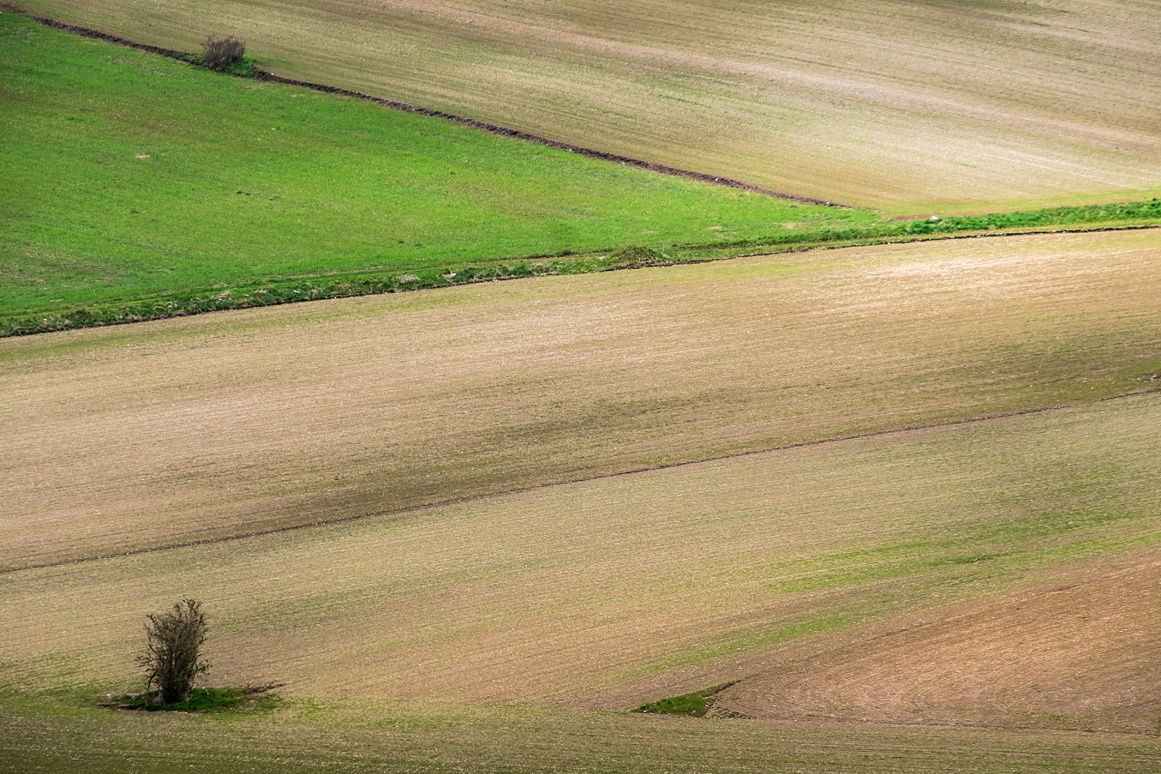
x=223 y=53
x=172 y=657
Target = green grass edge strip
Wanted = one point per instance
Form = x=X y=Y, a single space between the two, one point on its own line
x=278 y=291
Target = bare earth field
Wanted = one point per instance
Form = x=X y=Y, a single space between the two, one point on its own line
x=900 y=500
x=486 y=630
x=553 y=500
x=610 y=592
x=904 y=107
x=1082 y=655
x=144 y=436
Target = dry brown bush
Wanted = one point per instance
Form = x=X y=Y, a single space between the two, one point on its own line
x=223 y=53
x=172 y=657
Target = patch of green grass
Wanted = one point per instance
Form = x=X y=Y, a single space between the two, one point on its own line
x=200 y=700
x=694 y=705
x=131 y=181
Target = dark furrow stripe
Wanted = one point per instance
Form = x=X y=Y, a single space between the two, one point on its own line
x=568 y=482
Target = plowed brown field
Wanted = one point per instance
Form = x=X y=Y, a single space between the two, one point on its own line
x=623 y=589
x=906 y=107
x=498 y=578
x=158 y=434
x=1079 y=656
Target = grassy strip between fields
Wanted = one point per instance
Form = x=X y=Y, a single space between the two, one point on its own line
x=292 y=290
x=348 y=285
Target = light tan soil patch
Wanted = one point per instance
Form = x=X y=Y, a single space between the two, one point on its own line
x=1082 y=656
x=900 y=106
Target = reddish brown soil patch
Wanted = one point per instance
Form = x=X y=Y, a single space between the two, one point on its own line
x=1085 y=656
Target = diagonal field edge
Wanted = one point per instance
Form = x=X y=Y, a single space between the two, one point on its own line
x=473 y=123
x=567 y=482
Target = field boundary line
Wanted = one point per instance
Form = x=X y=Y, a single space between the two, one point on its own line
x=988 y=417
x=404 y=107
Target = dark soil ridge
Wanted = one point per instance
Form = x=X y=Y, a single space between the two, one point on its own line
x=991 y=416
x=484 y=126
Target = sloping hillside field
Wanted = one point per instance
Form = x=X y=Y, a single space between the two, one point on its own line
x=497 y=585
x=878 y=493
x=127 y=178
x=135 y=187
x=907 y=107
x=144 y=436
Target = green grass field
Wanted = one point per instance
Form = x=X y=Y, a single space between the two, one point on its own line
x=125 y=177
x=133 y=187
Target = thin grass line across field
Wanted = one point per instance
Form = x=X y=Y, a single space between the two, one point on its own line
x=567 y=482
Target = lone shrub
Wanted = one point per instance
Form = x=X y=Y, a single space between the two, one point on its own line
x=223 y=53
x=172 y=657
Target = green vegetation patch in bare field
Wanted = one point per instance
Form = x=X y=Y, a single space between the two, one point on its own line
x=694 y=705
x=133 y=186
x=135 y=437
x=199 y=700
x=906 y=107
